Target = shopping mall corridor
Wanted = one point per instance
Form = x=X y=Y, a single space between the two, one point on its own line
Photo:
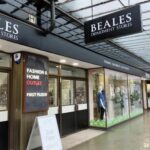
x=132 y=135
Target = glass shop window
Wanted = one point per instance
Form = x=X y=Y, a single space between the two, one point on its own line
x=53 y=69
x=135 y=95
x=80 y=94
x=67 y=92
x=117 y=97
x=5 y=60
x=53 y=92
x=3 y=91
x=72 y=72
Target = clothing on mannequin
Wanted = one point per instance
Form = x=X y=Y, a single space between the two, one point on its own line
x=101 y=103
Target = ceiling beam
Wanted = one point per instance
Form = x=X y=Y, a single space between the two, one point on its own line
x=78 y=27
x=22 y=6
x=91 y=6
x=122 y=3
x=65 y=2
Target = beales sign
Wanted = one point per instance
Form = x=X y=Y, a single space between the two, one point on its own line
x=8 y=29
x=119 y=23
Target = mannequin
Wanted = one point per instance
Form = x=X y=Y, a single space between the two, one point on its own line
x=101 y=102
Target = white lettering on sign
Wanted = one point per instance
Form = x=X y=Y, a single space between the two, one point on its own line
x=35 y=77
x=116 y=65
x=9 y=29
x=35 y=71
x=37 y=94
x=120 y=22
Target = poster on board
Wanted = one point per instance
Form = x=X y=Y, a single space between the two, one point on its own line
x=45 y=134
x=35 y=83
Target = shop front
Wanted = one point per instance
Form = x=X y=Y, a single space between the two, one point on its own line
x=114 y=97
x=33 y=82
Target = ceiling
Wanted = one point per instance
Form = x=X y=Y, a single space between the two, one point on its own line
x=133 y=50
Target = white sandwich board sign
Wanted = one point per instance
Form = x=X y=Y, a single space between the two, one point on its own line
x=45 y=134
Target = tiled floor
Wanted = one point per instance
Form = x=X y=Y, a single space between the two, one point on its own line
x=132 y=135
x=79 y=137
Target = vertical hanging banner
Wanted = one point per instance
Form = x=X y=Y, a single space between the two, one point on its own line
x=127 y=21
x=35 y=83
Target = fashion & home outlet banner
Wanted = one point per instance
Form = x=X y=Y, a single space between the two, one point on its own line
x=35 y=83
x=127 y=21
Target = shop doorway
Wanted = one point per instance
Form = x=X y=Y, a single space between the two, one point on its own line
x=68 y=98
x=4 y=100
x=74 y=105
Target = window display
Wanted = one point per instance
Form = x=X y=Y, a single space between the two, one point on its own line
x=52 y=92
x=135 y=95
x=113 y=97
x=3 y=91
x=117 y=97
x=98 y=105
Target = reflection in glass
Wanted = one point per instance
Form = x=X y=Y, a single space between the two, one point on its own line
x=52 y=92
x=3 y=91
x=117 y=97
x=67 y=92
x=135 y=95
x=5 y=60
x=53 y=68
x=80 y=94
x=72 y=72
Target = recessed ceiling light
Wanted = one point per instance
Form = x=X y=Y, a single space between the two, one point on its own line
x=75 y=64
x=62 y=61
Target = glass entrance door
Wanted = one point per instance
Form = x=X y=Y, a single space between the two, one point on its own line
x=81 y=109
x=4 y=99
x=74 y=105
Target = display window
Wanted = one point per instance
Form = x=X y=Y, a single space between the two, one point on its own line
x=117 y=97
x=135 y=95
x=113 y=97
x=98 y=104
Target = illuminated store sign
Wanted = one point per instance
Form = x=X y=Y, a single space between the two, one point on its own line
x=8 y=29
x=36 y=84
x=120 y=23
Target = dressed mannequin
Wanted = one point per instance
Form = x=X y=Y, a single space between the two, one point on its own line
x=101 y=102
